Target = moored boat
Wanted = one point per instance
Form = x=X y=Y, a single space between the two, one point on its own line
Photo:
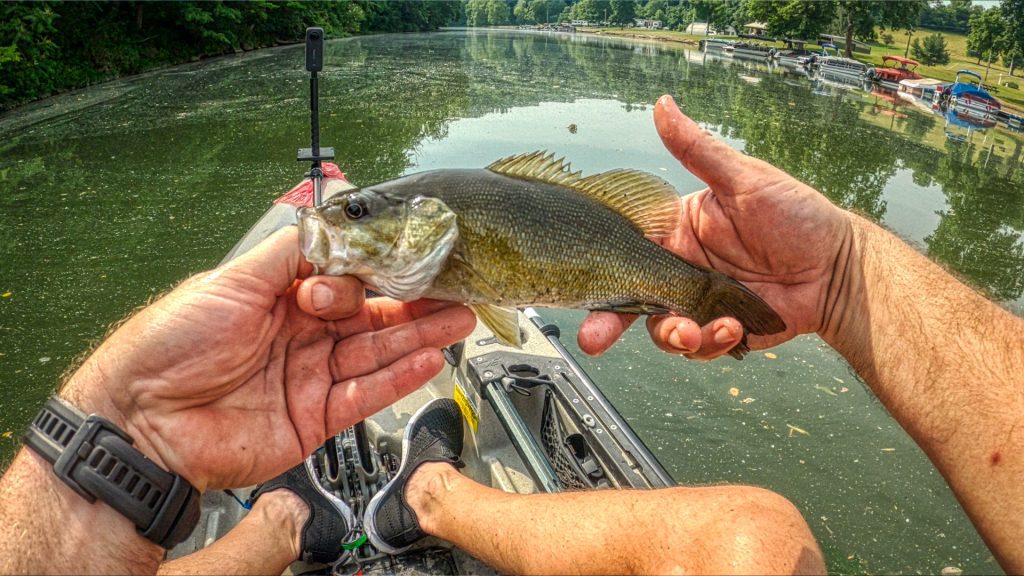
x=714 y=44
x=750 y=50
x=921 y=91
x=840 y=66
x=968 y=94
x=810 y=59
x=899 y=69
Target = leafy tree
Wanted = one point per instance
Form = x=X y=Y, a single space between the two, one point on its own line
x=953 y=16
x=27 y=49
x=988 y=34
x=1013 y=12
x=859 y=18
x=1012 y=56
x=622 y=12
x=476 y=12
x=933 y=51
x=717 y=13
x=523 y=13
x=498 y=13
x=650 y=8
x=679 y=16
x=587 y=10
x=792 y=18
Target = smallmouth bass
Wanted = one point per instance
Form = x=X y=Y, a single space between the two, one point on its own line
x=525 y=231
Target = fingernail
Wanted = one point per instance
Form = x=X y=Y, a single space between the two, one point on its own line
x=723 y=335
x=322 y=297
x=675 y=339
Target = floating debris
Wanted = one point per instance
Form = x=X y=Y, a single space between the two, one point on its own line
x=796 y=430
x=840 y=380
x=826 y=390
x=888 y=449
x=951 y=571
x=770 y=355
x=7 y=434
x=44 y=359
x=844 y=390
x=734 y=392
x=6 y=294
x=572 y=128
x=746 y=401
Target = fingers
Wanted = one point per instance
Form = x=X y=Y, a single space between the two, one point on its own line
x=331 y=297
x=601 y=329
x=370 y=351
x=273 y=262
x=708 y=158
x=381 y=313
x=679 y=335
x=359 y=398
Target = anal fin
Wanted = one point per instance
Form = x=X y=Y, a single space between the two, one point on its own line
x=504 y=322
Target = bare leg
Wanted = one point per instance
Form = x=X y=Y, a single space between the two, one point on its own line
x=719 y=530
x=266 y=541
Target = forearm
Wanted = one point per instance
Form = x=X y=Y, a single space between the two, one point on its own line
x=949 y=366
x=48 y=528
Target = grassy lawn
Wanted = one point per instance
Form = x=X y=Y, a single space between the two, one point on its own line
x=955 y=43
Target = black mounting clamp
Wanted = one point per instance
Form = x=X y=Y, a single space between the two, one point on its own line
x=315 y=154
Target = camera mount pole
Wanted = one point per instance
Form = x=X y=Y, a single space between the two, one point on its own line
x=315 y=154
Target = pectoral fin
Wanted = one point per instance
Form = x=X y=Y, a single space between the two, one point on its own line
x=504 y=322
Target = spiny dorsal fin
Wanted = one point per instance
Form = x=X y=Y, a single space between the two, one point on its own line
x=540 y=166
x=647 y=201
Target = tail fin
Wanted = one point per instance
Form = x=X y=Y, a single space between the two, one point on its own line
x=728 y=297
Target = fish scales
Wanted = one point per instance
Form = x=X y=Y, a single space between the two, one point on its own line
x=548 y=245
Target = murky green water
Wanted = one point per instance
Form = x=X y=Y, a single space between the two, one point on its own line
x=110 y=196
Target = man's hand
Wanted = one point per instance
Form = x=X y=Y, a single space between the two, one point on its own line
x=240 y=372
x=754 y=222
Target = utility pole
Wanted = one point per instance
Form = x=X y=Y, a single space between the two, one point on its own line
x=910 y=33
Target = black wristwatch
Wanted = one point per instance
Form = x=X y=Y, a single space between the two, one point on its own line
x=97 y=460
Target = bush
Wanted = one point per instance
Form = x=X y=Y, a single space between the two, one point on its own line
x=1013 y=85
x=887 y=39
x=933 y=51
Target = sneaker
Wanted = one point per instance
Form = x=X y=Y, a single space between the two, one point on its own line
x=330 y=519
x=433 y=434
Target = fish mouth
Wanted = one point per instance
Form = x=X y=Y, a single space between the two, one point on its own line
x=313 y=240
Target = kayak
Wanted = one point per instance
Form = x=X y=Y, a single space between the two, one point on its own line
x=534 y=421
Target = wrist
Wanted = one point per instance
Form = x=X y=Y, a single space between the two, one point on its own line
x=846 y=318
x=89 y=391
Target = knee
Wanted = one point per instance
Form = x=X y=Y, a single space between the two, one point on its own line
x=762 y=532
x=745 y=530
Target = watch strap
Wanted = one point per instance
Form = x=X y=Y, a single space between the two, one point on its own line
x=97 y=460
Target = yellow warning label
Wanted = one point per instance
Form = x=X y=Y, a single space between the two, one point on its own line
x=466 y=406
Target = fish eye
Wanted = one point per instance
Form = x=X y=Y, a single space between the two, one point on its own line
x=355 y=210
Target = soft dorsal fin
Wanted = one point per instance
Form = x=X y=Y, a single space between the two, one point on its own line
x=647 y=201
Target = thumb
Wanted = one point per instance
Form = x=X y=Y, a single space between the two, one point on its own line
x=708 y=158
x=275 y=262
